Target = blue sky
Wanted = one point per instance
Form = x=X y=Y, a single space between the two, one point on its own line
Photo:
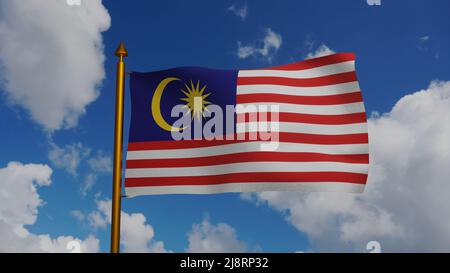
x=401 y=47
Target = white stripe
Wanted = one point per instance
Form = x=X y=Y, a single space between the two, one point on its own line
x=254 y=146
x=247 y=187
x=305 y=128
x=301 y=74
x=245 y=167
x=336 y=89
x=338 y=109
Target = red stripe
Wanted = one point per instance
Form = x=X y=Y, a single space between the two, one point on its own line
x=283 y=137
x=312 y=63
x=304 y=118
x=247 y=157
x=323 y=139
x=307 y=82
x=307 y=100
x=181 y=144
x=250 y=177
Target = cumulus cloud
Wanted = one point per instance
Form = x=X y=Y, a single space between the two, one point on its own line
x=240 y=10
x=51 y=56
x=269 y=46
x=136 y=235
x=407 y=198
x=19 y=203
x=321 y=51
x=207 y=237
x=97 y=220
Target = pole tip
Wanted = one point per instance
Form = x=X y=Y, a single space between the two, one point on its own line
x=121 y=51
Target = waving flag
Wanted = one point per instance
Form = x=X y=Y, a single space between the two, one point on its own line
x=300 y=126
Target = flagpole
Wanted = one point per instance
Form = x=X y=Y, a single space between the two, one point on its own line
x=121 y=52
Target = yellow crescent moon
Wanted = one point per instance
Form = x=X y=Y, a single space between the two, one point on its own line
x=156 y=105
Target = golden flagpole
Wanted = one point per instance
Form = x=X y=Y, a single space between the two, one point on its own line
x=121 y=52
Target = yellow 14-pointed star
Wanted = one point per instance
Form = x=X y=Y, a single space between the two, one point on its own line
x=195 y=99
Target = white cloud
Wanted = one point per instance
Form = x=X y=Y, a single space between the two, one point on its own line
x=19 y=203
x=98 y=165
x=60 y=244
x=97 y=220
x=52 y=57
x=206 y=237
x=270 y=45
x=100 y=162
x=321 y=51
x=135 y=234
x=424 y=38
x=68 y=157
x=88 y=183
x=78 y=215
x=72 y=156
x=423 y=44
x=138 y=236
x=407 y=199
x=240 y=10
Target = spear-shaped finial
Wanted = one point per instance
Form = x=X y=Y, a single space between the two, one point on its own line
x=121 y=51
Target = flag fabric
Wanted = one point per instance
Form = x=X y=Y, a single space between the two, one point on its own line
x=300 y=126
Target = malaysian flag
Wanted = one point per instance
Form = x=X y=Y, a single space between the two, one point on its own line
x=300 y=126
